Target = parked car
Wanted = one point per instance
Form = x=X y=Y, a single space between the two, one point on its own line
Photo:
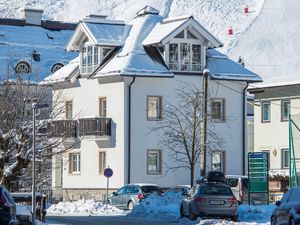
x=7 y=208
x=132 y=194
x=287 y=210
x=182 y=189
x=239 y=186
x=210 y=199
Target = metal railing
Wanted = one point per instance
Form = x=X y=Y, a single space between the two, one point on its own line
x=64 y=128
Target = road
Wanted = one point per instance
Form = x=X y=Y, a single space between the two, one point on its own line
x=105 y=220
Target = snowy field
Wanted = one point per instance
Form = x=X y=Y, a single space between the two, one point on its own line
x=158 y=207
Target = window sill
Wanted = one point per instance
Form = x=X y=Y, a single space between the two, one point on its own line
x=74 y=173
x=154 y=119
x=266 y=121
x=154 y=173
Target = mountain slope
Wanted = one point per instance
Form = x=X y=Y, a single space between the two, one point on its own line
x=217 y=15
x=271 y=46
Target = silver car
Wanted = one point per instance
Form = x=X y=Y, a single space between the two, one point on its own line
x=132 y=194
x=210 y=199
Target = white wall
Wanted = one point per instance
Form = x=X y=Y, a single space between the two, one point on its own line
x=231 y=130
x=273 y=135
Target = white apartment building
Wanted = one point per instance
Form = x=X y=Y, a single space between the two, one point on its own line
x=116 y=91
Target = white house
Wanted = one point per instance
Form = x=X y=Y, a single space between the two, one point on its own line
x=116 y=90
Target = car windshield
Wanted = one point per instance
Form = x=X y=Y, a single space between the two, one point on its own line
x=215 y=190
x=150 y=189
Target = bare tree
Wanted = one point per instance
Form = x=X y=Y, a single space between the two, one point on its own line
x=16 y=97
x=180 y=130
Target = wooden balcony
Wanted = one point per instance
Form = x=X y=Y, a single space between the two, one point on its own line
x=95 y=128
x=64 y=128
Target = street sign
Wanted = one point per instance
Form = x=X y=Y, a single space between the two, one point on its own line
x=258 y=174
x=108 y=172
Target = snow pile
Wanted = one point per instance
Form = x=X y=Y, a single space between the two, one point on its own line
x=83 y=208
x=279 y=173
x=159 y=206
x=258 y=213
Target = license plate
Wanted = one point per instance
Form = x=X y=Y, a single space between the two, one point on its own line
x=217 y=202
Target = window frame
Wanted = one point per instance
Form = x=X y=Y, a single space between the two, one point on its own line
x=223 y=108
x=283 y=157
x=160 y=116
x=78 y=163
x=68 y=103
x=263 y=120
x=179 y=66
x=283 y=109
x=223 y=158
x=159 y=170
x=101 y=170
x=101 y=109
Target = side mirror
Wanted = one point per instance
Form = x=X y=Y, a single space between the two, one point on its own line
x=278 y=203
x=115 y=193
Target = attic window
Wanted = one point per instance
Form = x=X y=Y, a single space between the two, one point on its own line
x=56 y=67
x=22 y=67
x=91 y=57
x=180 y=35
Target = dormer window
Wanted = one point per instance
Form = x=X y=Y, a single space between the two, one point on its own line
x=91 y=57
x=183 y=53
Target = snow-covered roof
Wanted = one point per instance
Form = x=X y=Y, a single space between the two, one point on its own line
x=170 y=27
x=18 y=43
x=65 y=73
x=133 y=58
x=223 y=68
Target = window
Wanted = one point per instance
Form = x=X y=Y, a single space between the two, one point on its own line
x=69 y=110
x=266 y=112
x=285 y=109
x=218 y=161
x=154 y=107
x=185 y=52
x=22 y=67
x=91 y=57
x=285 y=158
x=102 y=162
x=217 y=109
x=74 y=162
x=154 y=162
x=56 y=67
x=102 y=106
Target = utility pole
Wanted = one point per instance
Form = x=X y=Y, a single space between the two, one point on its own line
x=203 y=165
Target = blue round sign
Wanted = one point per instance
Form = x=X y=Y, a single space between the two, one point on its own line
x=108 y=172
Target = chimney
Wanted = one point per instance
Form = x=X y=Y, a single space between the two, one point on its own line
x=33 y=16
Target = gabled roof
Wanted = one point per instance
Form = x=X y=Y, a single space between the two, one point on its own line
x=133 y=58
x=101 y=32
x=223 y=68
x=168 y=28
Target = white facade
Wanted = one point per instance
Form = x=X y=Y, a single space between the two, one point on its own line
x=140 y=68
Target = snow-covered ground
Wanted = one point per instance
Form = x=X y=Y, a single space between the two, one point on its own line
x=159 y=207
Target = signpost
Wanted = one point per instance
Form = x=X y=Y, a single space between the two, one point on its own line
x=108 y=172
x=258 y=173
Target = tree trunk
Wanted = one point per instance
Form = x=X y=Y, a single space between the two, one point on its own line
x=192 y=175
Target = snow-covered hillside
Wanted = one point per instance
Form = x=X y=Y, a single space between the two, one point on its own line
x=271 y=46
x=217 y=16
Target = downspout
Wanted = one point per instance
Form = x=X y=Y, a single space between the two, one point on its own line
x=129 y=129
x=244 y=127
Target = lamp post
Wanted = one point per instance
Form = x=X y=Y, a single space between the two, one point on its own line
x=35 y=106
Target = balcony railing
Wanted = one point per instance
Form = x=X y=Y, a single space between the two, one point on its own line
x=95 y=126
x=64 y=128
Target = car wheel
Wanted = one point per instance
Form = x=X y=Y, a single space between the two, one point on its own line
x=182 y=214
x=273 y=220
x=130 y=205
x=191 y=215
x=292 y=222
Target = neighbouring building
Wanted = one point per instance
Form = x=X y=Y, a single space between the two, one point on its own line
x=33 y=47
x=115 y=92
x=273 y=103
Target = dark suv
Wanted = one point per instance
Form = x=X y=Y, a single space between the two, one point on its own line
x=7 y=208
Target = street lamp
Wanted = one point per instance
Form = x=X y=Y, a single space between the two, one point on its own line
x=35 y=106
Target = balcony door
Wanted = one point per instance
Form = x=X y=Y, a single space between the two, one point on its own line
x=102 y=107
